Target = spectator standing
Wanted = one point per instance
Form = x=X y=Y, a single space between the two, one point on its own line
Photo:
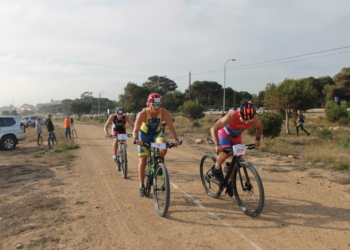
x=67 y=126
x=51 y=130
x=300 y=123
x=38 y=129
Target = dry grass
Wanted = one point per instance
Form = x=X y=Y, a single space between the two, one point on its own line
x=21 y=207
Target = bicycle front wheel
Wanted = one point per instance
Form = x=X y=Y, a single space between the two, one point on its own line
x=248 y=189
x=124 y=161
x=161 y=189
x=210 y=185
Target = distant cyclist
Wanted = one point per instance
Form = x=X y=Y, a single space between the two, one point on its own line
x=227 y=131
x=147 y=128
x=119 y=120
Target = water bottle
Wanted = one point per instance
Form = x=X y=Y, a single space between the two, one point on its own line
x=227 y=166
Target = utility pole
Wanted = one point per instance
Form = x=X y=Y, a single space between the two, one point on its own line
x=189 y=87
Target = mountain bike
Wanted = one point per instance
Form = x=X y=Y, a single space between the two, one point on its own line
x=156 y=175
x=247 y=185
x=122 y=157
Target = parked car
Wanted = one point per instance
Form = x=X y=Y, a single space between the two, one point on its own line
x=231 y=109
x=262 y=110
x=12 y=130
x=31 y=120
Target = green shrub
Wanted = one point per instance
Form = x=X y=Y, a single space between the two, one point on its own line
x=344 y=142
x=344 y=121
x=196 y=124
x=272 y=125
x=334 y=112
x=324 y=134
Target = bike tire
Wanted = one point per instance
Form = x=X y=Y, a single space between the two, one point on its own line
x=161 y=189
x=250 y=194
x=124 y=164
x=147 y=181
x=210 y=185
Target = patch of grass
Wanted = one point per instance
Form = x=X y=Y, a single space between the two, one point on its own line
x=38 y=154
x=42 y=242
x=341 y=166
x=276 y=170
x=301 y=168
x=81 y=216
x=288 y=162
x=80 y=202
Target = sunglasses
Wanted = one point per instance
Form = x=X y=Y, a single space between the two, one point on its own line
x=156 y=104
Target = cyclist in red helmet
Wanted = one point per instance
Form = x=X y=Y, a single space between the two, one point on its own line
x=147 y=128
x=227 y=132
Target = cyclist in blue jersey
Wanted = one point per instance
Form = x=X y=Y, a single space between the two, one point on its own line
x=147 y=128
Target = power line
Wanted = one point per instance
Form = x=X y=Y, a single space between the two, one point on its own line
x=264 y=62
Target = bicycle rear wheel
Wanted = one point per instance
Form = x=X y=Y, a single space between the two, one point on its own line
x=124 y=161
x=147 y=181
x=161 y=189
x=248 y=189
x=210 y=185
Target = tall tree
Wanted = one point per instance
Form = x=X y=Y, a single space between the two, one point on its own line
x=342 y=79
x=207 y=93
x=165 y=84
x=172 y=100
x=134 y=97
x=79 y=107
x=290 y=95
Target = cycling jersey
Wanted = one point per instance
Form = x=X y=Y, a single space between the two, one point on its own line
x=119 y=125
x=150 y=130
x=232 y=134
x=151 y=126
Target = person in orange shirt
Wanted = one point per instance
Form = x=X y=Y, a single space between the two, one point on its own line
x=67 y=126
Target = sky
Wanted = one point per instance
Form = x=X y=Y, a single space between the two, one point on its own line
x=57 y=50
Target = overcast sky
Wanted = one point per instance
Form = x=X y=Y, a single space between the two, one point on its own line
x=60 y=49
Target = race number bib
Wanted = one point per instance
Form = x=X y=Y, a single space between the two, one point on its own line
x=122 y=137
x=158 y=145
x=239 y=149
x=156 y=99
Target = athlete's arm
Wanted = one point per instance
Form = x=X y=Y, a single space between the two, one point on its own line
x=109 y=121
x=128 y=120
x=167 y=117
x=221 y=123
x=139 y=120
x=258 y=130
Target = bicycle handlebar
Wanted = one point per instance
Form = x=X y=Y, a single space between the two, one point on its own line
x=168 y=144
x=116 y=135
x=248 y=146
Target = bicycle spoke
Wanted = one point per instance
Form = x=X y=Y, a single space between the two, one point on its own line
x=249 y=190
x=211 y=186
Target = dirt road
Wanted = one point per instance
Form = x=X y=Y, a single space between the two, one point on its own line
x=301 y=212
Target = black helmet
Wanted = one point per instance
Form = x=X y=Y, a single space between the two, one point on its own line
x=247 y=111
x=119 y=110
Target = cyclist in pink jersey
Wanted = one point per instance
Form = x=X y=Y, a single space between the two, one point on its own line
x=228 y=130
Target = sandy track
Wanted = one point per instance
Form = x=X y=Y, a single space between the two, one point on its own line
x=300 y=212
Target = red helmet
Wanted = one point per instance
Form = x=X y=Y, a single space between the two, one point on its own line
x=154 y=98
x=247 y=111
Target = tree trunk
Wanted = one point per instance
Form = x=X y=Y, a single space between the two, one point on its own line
x=287 y=122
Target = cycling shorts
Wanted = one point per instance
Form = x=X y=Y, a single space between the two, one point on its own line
x=147 y=138
x=227 y=141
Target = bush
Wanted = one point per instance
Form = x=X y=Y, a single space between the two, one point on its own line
x=344 y=142
x=334 y=112
x=196 y=124
x=344 y=121
x=324 y=134
x=272 y=125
